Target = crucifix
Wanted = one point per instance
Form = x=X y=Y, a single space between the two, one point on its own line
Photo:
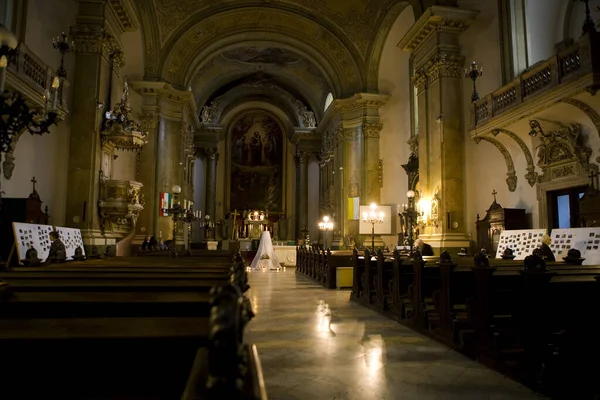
x=34 y=182
x=234 y=230
x=494 y=193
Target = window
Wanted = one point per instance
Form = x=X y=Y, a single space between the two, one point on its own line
x=328 y=101
x=564 y=208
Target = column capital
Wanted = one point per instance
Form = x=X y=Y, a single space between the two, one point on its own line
x=372 y=129
x=302 y=156
x=212 y=153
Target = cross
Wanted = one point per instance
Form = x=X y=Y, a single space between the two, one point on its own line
x=494 y=193
x=34 y=182
x=593 y=174
x=234 y=215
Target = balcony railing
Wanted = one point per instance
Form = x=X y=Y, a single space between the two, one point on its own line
x=32 y=77
x=576 y=64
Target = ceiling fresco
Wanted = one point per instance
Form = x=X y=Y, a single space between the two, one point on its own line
x=312 y=47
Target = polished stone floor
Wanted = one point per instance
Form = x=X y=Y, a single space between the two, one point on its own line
x=358 y=354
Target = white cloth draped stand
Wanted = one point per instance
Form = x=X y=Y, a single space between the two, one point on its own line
x=265 y=249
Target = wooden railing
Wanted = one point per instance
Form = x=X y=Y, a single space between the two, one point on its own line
x=32 y=77
x=568 y=65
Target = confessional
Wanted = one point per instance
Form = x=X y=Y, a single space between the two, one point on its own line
x=496 y=220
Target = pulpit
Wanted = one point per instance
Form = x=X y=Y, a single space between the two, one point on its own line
x=498 y=219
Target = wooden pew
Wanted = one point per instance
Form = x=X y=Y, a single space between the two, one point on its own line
x=83 y=344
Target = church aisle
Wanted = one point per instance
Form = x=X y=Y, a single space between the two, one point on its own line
x=360 y=355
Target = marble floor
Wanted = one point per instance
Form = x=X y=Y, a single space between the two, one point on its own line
x=356 y=355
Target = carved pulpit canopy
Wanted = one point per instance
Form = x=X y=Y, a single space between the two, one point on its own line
x=120 y=129
x=562 y=154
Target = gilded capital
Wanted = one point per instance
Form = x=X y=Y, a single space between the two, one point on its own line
x=302 y=156
x=211 y=153
x=371 y=130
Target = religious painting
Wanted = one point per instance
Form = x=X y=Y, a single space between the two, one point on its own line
x=256 y=170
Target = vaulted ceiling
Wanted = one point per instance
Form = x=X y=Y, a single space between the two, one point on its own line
x=307 y=47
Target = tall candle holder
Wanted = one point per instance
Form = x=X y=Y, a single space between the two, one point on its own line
x=326 y=226
x=473 y=74
x=373 y=218
x=411 y=216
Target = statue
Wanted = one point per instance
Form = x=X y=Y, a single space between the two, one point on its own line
x=283 y=228
x=227 y=227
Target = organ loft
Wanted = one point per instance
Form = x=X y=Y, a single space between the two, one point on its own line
x=195 y=196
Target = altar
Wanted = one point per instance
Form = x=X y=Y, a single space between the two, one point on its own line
x=286 y=255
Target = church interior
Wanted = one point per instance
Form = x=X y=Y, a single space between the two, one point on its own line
x=293 y=199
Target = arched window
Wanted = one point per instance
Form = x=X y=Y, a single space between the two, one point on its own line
x=328 y=100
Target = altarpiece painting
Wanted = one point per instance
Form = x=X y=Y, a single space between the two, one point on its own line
x=256 y=169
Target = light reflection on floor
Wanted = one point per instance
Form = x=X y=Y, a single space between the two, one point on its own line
x=315 y=344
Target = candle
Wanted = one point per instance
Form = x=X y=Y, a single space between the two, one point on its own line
x=55 y=86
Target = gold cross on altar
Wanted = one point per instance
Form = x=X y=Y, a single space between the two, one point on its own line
x=34 y=182
x=234 y=214
x=494 y=193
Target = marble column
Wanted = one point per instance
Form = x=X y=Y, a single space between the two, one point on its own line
x=354 y=178
x=147 y=173
x=90 y=82
x=212 y=160
x=302 y=158
x=438 y=72
x=371 y=131
x=167 y=163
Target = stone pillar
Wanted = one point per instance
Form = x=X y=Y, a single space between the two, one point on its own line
x=212 y=159
x=302 y=159
x=147 y=174
x=354 y=178
x=438 y=73
x=95 y=47
x=167 y=163
x=371 y=131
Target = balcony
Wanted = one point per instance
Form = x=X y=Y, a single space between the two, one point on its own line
x=30 y=76
x=572 y=70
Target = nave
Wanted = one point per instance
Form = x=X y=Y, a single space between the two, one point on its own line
x=361 y=355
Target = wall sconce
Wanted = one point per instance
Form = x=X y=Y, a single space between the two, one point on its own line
x=536 y=128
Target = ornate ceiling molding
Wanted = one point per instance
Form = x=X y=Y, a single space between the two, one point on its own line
x=213 y=77
x=180 y=56
x=437 y=19
x=125 y=14
x=511 y=176
x=531 y=175
x=587 y=110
